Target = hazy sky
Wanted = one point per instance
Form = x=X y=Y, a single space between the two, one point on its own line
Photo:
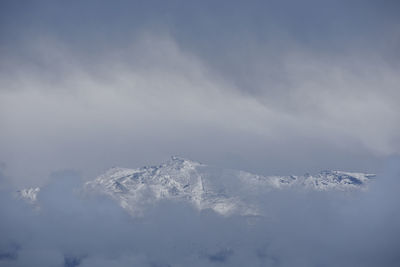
x=270 y=87
x=274 y=87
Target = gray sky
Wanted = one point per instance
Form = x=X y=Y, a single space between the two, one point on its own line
x=271 y=87
x=274 y=87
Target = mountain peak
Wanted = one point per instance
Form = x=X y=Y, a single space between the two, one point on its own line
x=177 y=158
x=182 y=160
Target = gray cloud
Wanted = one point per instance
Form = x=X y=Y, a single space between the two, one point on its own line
x=273 y=87
x=306 y=229
x=152 y=99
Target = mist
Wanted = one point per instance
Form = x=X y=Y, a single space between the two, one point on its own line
x=268 y=87
x=302 y=228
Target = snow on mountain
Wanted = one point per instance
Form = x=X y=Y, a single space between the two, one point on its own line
x=29 y=194
x=325 y=180
x=226 y=192
x=177 y=179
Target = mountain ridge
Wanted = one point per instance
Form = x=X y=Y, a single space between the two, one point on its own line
x=223 y=191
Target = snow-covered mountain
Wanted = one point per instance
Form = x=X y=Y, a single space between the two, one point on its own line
x=226 y=192
x=177 y=179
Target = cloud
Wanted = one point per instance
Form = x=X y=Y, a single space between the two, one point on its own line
x=270 y=87
x=274 y=88
x=154 y=98
x=302 y=228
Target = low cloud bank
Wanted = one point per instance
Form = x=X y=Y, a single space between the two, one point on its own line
x=300 y=229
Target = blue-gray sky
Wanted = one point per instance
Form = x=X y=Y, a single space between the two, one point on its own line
x=271 y=87
x=274 y=87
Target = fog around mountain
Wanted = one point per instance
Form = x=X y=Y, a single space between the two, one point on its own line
x=302 y=228
x=267 y=94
